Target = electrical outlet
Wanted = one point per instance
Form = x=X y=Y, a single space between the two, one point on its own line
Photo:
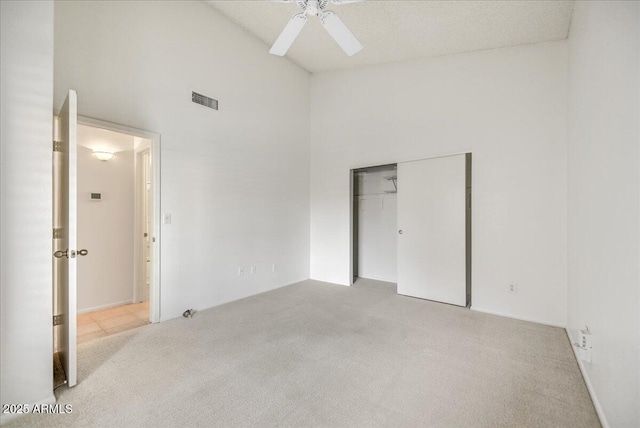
x=585 y=345
x=166 y=218
x=513 y=288
x=253 y=270
x=274 y=267
x=240 y=271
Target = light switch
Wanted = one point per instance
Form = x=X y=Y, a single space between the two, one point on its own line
x=166 y=218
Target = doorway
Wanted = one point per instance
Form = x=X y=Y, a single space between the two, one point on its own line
x=116 y=212
x=113 y=221
x=146 y=213
x=375 y=223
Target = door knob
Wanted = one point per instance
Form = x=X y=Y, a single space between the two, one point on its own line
x=400 y=231
x=83 y=252
x=60 y=254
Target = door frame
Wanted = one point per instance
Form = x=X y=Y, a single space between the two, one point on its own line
x=155 y=286
x=469 y=217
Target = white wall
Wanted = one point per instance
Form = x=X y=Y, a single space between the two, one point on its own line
x=235 y=181
x=26 y=84
x=604 y=198
x=376 y=222
x=508 y=107
x=105 y=228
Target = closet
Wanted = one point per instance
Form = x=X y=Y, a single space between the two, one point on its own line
x=375 y=221
x=412 y=226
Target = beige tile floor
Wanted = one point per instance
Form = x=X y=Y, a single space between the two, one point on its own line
x=106 y=322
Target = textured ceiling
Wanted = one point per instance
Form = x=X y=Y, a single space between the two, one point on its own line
x=393 y=31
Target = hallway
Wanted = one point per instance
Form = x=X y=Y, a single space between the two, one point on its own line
x=107 y=322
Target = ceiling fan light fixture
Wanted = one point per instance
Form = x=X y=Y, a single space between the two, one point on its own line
x=334 y=26
x=312 y=7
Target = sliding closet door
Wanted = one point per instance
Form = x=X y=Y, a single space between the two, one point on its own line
x=431 y=228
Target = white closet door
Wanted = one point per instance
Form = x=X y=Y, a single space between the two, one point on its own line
x=431 y=227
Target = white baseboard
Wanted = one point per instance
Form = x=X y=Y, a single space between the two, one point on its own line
x=486 y=311
x=332 y=282
x=5 y=418
x=572 y=335
x=110 y=305
x=235 y=299
x=377 y=279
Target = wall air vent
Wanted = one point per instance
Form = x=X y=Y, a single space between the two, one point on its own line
x=204 y=100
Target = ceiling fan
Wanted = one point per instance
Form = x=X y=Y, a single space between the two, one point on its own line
x=334 y=26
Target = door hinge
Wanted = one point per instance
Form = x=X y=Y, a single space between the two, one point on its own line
x=57 y=233
x=57 y=146
x=57 y=320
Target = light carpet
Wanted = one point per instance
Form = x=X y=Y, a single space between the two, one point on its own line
x=315 y=354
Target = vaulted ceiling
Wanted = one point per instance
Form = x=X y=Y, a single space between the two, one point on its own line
x=393 y=31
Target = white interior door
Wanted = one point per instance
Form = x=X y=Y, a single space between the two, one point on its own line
x=65 y=244
x=431 y=229
x=146 y=218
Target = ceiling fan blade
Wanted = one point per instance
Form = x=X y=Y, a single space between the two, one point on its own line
x=288 y=35
x=340 y=33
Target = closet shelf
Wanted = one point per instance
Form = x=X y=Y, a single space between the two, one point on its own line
x=384 y=192
x=393 y=179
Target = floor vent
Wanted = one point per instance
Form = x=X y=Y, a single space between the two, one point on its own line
x=204 y=100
